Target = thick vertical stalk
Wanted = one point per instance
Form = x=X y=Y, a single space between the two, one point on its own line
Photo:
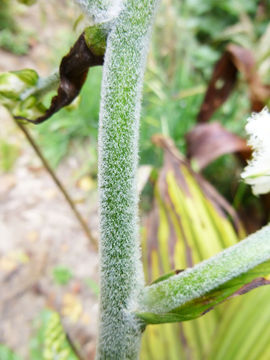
x=100 y=10
x=121 y=269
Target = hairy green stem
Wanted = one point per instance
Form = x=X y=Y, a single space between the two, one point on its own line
x=166 y=296
x=100 y=10
x=120 y=266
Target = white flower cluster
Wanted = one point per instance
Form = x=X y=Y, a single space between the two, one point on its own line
x=257 y=172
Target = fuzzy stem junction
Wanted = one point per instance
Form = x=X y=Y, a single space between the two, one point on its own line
x=100 y=10
x=121 y=269
x=168 y=295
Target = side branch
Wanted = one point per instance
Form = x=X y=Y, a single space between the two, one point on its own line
x=233 y=271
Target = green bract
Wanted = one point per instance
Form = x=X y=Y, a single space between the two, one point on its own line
x=14 y=83
x=14 y=86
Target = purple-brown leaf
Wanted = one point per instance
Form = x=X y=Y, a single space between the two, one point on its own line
x=235 y=59
x=73 y=72
x=206 y=142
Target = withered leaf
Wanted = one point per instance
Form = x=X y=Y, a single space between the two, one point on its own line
x=232 y=289
x=235 y=59
x=174 y=160
x=189 y=221
x=206 y=142
x=73 y=72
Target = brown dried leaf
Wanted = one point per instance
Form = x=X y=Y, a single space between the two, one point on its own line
x=221 y=85
x=73 y=72
x=206 y=142
x=236 y=59
x=245 y=63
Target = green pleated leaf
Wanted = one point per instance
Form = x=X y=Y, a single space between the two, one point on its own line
x=244 y=332
x=56 y=345
x=189 y=222
x=51 y=342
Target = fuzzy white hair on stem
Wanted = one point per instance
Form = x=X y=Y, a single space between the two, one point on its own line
x=101 y=11
x=257 y=172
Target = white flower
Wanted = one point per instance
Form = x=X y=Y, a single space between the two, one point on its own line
x=257 y=172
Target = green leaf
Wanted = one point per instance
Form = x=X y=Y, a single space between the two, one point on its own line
x=27 y=2
x=8 y=354
x=51 y=342
x=93 y=286
x=230 y=336
x=16 y=89
x=14 y=42
x=162 y=342
x=13 y=83
x=166 y=276
x=62 y=275
x=96 y=37
x=195 y=291
x=8 y=155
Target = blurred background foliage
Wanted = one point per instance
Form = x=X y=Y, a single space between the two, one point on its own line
x=189 y=37
x=12 y=37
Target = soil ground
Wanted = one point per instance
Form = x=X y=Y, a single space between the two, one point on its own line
x=38 y=231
